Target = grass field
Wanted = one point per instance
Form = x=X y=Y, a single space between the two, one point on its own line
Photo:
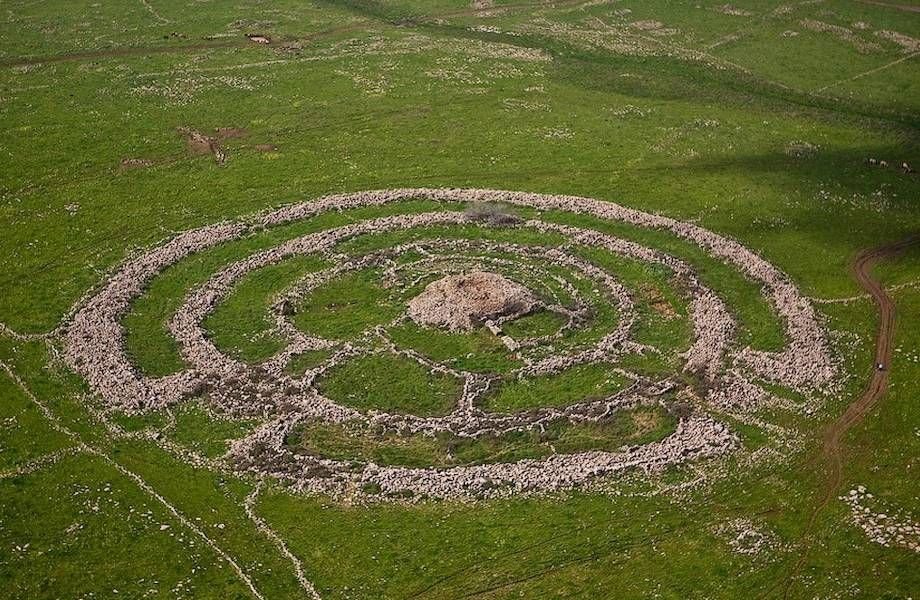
x=124 y=124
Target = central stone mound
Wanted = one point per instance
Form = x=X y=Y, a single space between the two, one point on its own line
x=463 y=302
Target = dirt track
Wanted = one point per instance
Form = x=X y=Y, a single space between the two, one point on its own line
x=124 y=51
x=904 y=7
x=831 y=448
x=242 y=41
x=858 y=409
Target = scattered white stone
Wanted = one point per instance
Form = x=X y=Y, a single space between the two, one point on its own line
x=889 y=530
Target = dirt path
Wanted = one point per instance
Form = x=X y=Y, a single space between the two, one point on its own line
x=124 y=51
x=856 y=411
x=242 y=41
x=832 y=448
x=904 y=7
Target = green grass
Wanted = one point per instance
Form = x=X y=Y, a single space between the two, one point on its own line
x=761 y=326
x=202 y=432
x=26 y=435
x=347 y=306
x=390 y=383
x=307 y=360
x=663 y=320
x=751 y=436
x=98 y=532
x=132 y=422
x=149 y=343
x=476 y=351
x=242 y=324
x=575 y=384
x=401 y=93
x=537 y=324
x=366 y=243
x=479 y=350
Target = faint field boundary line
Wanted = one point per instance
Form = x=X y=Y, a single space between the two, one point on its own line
x=261 y=525
x=163 y=20
x=756 y=22
x=39 y=463
x=850 y=299
x=122 y=52
x=146 y=487
x=21 y=337
x=904 y=7
x=52 y=458
x=700 y=55
x=239 y=43
x=869 y=72
x=234 y=67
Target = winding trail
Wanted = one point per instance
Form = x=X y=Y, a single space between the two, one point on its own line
x=832 y=447
x=878 y=384
x=904 y=7
x=241 y=41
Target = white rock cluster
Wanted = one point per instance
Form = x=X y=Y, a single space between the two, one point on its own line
x=889 y=530
x=748 y=538
x=695 y=438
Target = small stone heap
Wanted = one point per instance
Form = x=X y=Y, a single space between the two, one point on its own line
x=465 y=301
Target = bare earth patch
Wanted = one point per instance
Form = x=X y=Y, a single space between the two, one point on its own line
x=200 y=144
x=658 y=302
x=135 y=163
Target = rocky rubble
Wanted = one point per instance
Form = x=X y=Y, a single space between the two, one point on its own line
x=465 y=301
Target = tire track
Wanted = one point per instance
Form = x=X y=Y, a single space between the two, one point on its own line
x=904 y=7
x=832 y=449
x=243 y=42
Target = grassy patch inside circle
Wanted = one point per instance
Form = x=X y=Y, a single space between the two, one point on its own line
x=536 y=324
x=203 y=432
x=305 y=361
x=346 y=306
x=477 y=351
x=391 y=383
x=242 y=325
x=572 y=385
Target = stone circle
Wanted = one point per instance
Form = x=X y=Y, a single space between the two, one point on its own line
x=465 y=289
